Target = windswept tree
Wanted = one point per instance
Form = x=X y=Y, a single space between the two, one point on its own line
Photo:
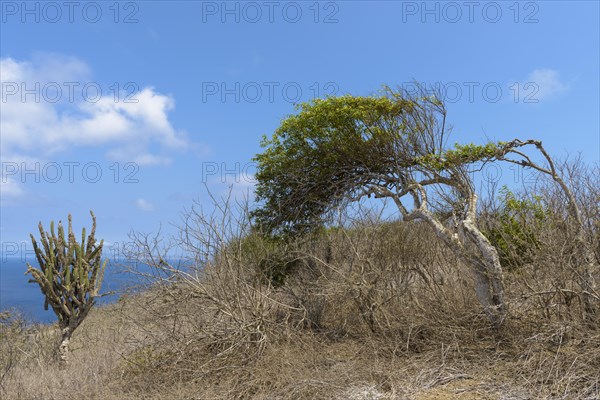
x=393 y=146
x=70 y=276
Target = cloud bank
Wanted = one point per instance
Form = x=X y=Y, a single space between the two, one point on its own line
x=51 y=106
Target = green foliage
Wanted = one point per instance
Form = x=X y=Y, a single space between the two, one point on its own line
x=460 y=155
x=330 y=149
x=274 y=258
x=276 y=267
x=269 y=256
x=515 y=233
x=70 y=273
x=471 y=152
x=334 y=148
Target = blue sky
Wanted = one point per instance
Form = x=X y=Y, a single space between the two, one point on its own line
x=161 y=97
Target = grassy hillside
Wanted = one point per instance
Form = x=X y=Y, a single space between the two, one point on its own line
x=376 y=310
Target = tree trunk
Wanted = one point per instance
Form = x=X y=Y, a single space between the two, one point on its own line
x=486 y=265
x=483 y=292
x=488 y=275
x=490 y=293
x=489 y=287
x=63 y=349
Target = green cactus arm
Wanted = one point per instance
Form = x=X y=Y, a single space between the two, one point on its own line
x=51 y=265
x=43 y=238
x=50 y=272
x=60 y=242
x=85 y=269
x=72 y=261
x=45 y=284
x=92 y=237
x=95 y=252
x=58 y=248
x=68 y=292
x=68 y=275
x=36 y=274
x=98 y=277
x=67 y=309
x=36 y=249
x=83 y=238
x=52 y=254
x=77 y=301
x=71 y=234
x=77 y=252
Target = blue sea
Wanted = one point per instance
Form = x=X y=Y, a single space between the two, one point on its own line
x=18 y=294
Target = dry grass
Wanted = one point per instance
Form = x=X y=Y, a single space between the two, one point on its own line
x=116 y=357
x=378 y=311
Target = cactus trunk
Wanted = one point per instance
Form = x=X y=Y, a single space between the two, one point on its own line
x=63 y=349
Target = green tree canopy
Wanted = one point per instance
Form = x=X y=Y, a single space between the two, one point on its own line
x=338 y=148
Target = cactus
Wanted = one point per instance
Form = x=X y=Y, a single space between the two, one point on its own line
x=70 y=276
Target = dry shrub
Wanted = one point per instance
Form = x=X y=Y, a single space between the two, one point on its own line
x=380 y=278
x=12 y=338
x=225 y=310
x=547 y=290
x=369 y=309
x=96 y=351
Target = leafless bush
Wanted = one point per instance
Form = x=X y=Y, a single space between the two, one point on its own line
x=216 y=308
x=12 y=328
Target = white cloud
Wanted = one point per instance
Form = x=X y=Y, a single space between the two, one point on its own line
x=9 y=189
x=144 y=205
x=547 y=83
x=141 y=159
x=10 y=175
x=45 y=67
x=126 y=130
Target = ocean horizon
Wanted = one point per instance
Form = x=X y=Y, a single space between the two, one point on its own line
x=18 y=295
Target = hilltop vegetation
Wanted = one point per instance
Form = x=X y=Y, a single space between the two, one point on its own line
x=373 y=308
x=316 y=292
